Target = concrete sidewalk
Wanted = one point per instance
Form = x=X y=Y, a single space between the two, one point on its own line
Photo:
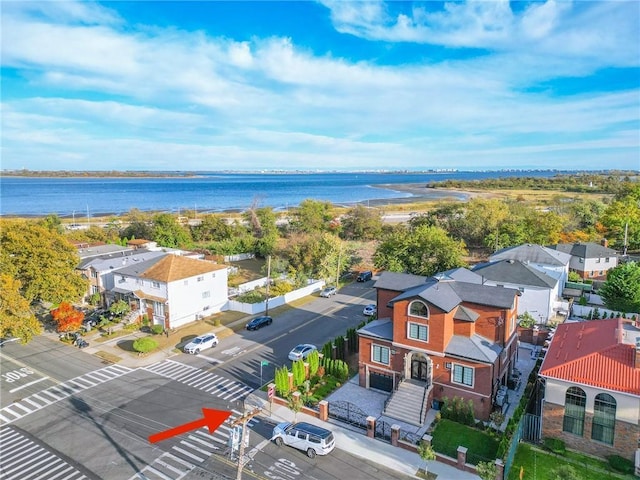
x=357 y=443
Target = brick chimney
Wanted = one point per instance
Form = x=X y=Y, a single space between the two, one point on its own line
x=604 y=242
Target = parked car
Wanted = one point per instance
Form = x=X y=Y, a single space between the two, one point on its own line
x=304 y=436
x=365 y=276
x=370 y=310
x=301 y=352
x=259 y=322
x=200 y=343
x=327 y=292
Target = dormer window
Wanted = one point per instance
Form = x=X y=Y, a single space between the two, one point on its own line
x=418 y=309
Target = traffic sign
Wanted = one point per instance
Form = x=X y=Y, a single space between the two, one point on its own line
x=270 y=392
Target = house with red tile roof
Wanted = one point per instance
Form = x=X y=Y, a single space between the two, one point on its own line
x=172 y=290
x=591 y=374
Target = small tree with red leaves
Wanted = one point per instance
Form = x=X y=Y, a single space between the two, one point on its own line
x=67 y=318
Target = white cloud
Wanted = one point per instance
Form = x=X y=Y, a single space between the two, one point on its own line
x=151 y=95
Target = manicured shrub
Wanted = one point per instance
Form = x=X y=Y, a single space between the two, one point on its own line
x=157 y=329
x=620 y=464
x=282 y=381
x=144 y=345
x=555 y=445
x=314 y=362
x=458 y=410
x=297 y=368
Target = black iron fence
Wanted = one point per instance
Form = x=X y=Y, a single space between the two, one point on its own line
x=349 y=413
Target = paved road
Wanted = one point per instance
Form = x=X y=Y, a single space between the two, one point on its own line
x=65 y=414
x=316 y=322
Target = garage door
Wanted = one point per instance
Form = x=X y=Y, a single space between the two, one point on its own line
x=381 y=382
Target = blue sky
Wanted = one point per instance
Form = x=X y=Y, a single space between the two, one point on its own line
x=329 y=85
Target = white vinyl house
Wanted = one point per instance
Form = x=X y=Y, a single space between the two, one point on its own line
x=173 y=290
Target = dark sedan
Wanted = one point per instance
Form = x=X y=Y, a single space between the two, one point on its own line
x=259 y=322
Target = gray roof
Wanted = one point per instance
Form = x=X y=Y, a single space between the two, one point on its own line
x=534 y=254
x=584 y=250
x=398 y=281
x=87 y=252
x=460 y=274
x=381 y=328
x=515 y=273
x=475 y=347
x=119 y=260
x=136 y=269
x=448 y=294
x=465 y=314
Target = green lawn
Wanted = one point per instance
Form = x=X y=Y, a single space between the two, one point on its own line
x=448 y=436
x=538 y=465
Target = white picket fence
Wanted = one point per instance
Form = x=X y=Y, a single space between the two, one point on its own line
x=255 y=308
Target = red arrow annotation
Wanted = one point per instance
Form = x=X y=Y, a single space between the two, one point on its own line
x=211 y=419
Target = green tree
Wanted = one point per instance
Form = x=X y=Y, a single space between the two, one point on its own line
x=120 y=308
x=621 y=291
x=425 y=251
x=211 y=228
x=52 y=222
x=312 y=216
x=619 y=216
x=16 y=318
x=427 y=454
x=312 y=255
x=43 y=261
x=138 y=229
x=361 y=223
x=264 y=229
x=167 y=232
x=482 y=217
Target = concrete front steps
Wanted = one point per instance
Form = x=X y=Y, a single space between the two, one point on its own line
x=406 y=403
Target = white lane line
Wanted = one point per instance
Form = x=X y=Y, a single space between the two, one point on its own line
x=211 y=359
x=28 y=384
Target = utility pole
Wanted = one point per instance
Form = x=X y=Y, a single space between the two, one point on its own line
x=626 y=231
x=266 y=305
x=243 y=421
x=338 y=268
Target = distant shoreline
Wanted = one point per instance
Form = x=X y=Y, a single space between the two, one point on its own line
x=419 y=193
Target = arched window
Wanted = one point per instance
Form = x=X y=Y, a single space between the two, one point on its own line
x=604 y=418
x=574 y=405
x=418 y=309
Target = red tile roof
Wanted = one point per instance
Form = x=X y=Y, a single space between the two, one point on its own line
x=592 y=353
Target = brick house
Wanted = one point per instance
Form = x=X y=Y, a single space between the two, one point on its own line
x=447 y=335
x=591 y=374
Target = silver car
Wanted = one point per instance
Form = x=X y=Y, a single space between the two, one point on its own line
x=200 y=343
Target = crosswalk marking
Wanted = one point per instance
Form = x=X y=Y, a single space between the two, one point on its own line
x=38 y=401
x=195 y=449
x=212 y=383
x=24 y=459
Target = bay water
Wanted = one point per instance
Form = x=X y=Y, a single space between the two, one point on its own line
x=85 y=197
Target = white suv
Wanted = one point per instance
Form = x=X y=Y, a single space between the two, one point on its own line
x=200 y=343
